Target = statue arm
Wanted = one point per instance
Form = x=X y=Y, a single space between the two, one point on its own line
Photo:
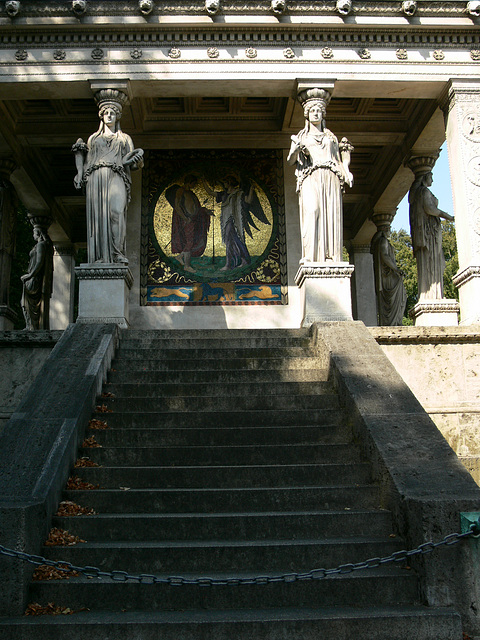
x=386 y=256
x=80 y=150
x=345 y=153
x=430 y=206
x=295 y=149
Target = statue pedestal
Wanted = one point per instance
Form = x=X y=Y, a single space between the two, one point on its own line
x=103 y=293
x=7 y=318
x=468 y=283
x=436 y=313
x=325 y=288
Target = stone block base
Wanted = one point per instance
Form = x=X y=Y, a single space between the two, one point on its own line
x=103 y=293
x=326 y=292
x=436 y=313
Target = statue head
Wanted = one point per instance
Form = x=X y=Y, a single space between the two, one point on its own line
x=316 y=99
x=344 y=7
x=473 y=7
x=12 y=7
x=409 y=7
x=278 y=6
x=111 y=101
x=145 y=6
x=212 y=7
x=79 y=6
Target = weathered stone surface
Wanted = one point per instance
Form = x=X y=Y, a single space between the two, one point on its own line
x=38 y=445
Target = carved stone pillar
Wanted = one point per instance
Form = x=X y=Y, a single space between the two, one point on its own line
x=432 y=309
x=461 y=106
x=363 y=284
x=325 y=290
x=62 y=300
x=8 y=210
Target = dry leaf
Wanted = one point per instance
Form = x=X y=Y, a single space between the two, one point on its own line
x=50 y=609
x=69 y=508
x=102 y=408
x=91 y=443
x=77 y=483
x=85 y=462
x=61 y=538
x=45 y=572
x=97 y=424
x=108 y=394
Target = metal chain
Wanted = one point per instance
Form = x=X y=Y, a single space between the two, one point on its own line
x=205 y=581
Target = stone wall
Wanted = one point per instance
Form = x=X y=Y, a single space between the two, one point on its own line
x=22 y=355
x=441 y=365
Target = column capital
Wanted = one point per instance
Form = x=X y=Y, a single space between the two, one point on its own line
x=383 y=218
x=118 y=91
x=42 y=219
x=311 y=89
x=422 y=164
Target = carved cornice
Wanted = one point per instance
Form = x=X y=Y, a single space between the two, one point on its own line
x=105 y=272
x=435 y=306
x=462 y=277
x=426 y=335
x=317 y=270
x=50 y=9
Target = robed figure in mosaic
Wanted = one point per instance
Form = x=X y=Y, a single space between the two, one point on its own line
x=426 y=229
x=103 y=166
x=389 y=287
x=322 y=170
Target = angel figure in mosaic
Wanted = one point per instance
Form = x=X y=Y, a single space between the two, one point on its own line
x=239 y=206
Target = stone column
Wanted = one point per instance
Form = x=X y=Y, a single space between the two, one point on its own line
x=363 y=284
x=461 y=106
x=62 y=300
x=430 y=311
x=8 y=212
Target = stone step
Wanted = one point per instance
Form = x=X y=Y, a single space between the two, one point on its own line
x=204 y=556
x=221 y=403
x=401 y=622
x=210 y=389
x=232 y=418
x=223 y=335
x=376 y=588
x=339 y=497
x=140 y=376
x=211 y=436
x=126 y=354
x=225 y=477
x=227 y=344
x=221 y=362
x=227 y=455
x=227 y=526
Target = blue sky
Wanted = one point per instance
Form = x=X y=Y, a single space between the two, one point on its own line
x=441 y=188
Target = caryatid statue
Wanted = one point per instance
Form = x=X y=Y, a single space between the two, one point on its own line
x=37 y=282
x=322 y=170
x=389 y=287
x=103 y=166
x=426 y=230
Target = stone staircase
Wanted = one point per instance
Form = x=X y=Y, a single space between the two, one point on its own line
x=228 y=453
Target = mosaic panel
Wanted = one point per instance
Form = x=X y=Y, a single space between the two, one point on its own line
x=213 y=228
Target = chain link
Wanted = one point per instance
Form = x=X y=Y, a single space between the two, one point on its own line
x=205 y=581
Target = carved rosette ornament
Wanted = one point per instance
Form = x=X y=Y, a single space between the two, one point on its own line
x=401 y=54
x=438 y=54
x=327 y=53
x=213 y=52
x=59 y=54
x=475 y=54
x=136 y=54
x=289 y=53
x=251 y=53
x=21 y=55
x=365 y=54
x=98 y=54
x=174 y=53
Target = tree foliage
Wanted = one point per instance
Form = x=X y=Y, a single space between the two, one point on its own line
x=402 y=243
